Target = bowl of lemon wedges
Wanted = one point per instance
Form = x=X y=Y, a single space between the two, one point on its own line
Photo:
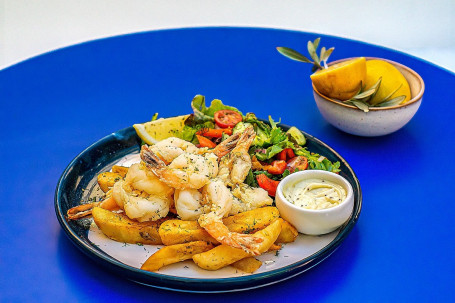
x=362 y=96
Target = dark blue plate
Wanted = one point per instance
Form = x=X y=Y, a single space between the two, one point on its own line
x=80 y=177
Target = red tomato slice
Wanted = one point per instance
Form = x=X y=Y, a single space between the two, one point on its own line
x=227 y=118
x=204 y=142
x=268 y=184
x=282 y=155
x=290 y=153
x=277 y=168
x=214 y=133
x=286 y=153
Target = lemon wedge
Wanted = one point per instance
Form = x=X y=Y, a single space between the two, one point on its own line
x=341 y=80
x=392 y=80
x=155 y=131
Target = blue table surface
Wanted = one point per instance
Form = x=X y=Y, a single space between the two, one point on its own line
x=55 y=105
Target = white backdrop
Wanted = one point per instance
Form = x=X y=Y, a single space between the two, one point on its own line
x=423 y=28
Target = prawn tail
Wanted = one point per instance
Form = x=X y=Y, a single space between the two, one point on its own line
x=221 y=233
x=226 y=146
x=85 y=210
x=81 y=211
x=248 y=243
x=247 y=138
x=150 y=159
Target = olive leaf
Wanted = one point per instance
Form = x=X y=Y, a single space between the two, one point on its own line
x=312 y=51
x=322 y=54
x=316 y=43
x=360 y=105
x=362 y=100
x=389 y=95
x=292 y=54
x=364 y=95
x=368 y=93
x=327 y=54
x=319 y=62
x=392 y=102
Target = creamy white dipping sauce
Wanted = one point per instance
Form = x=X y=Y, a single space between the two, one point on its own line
x=314 y=193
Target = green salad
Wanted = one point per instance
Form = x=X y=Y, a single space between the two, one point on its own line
x=275 y=153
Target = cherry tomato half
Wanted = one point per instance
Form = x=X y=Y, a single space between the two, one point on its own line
x=299 y=162
x=227 y=118
x=277 y=167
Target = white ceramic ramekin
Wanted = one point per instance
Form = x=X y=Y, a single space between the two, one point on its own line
x=318 y=221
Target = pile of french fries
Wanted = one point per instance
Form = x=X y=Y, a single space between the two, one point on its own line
x=186 y=240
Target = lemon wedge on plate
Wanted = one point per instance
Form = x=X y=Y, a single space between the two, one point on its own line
x=155 y=131
x=392 y=81
x=341 y=80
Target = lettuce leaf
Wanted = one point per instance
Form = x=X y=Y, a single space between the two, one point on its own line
x=269 y=152
x=270 y=139
x=187 y=133
x=203 y=113
x=315 y=161
x=190 y=128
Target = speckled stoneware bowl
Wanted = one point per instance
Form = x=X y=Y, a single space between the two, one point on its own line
x=378 y=121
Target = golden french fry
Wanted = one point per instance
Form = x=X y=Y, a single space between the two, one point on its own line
x=175 y=253
x=178 y=231
x=288 y=233
x=248 y=265
x=121 y=170
x=224 y=255
x=120 y=228
x=253 y=220
x=107 y=179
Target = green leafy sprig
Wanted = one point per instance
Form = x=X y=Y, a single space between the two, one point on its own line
x=316 y=161
x=363 y=99
x=319 y=62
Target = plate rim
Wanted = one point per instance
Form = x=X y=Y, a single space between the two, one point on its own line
x=217 y=285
